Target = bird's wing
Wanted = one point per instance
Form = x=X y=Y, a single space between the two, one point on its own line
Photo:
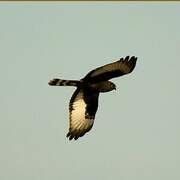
x=82 y=108
x=108 y=71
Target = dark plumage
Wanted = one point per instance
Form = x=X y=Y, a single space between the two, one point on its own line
x=84 y=101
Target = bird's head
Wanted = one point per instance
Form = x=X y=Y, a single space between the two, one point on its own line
x=105 y=86
x=113 y=86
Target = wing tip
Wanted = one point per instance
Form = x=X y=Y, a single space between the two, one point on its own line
x=72 y=136
x=134 y=58
x=128 y=58
x=131 y=61
x=75 y=134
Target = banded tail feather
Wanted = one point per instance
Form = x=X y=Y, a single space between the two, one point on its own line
x=62 y=82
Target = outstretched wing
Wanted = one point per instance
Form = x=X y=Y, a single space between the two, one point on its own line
x=112 y=70
x=82 y=108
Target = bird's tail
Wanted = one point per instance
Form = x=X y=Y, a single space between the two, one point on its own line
x=62 y=82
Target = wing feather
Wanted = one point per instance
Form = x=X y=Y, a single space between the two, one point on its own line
x=112 y=70
x=81 y=115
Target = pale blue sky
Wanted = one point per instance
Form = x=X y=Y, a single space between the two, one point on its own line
x=137 y=128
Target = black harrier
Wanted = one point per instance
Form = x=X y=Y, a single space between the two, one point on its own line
x=84 y=101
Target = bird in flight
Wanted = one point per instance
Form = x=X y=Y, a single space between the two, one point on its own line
x=84 y=101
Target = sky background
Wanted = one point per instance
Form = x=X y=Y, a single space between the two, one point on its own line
x=136 y=135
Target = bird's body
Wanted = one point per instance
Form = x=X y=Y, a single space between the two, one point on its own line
x=84 y=101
